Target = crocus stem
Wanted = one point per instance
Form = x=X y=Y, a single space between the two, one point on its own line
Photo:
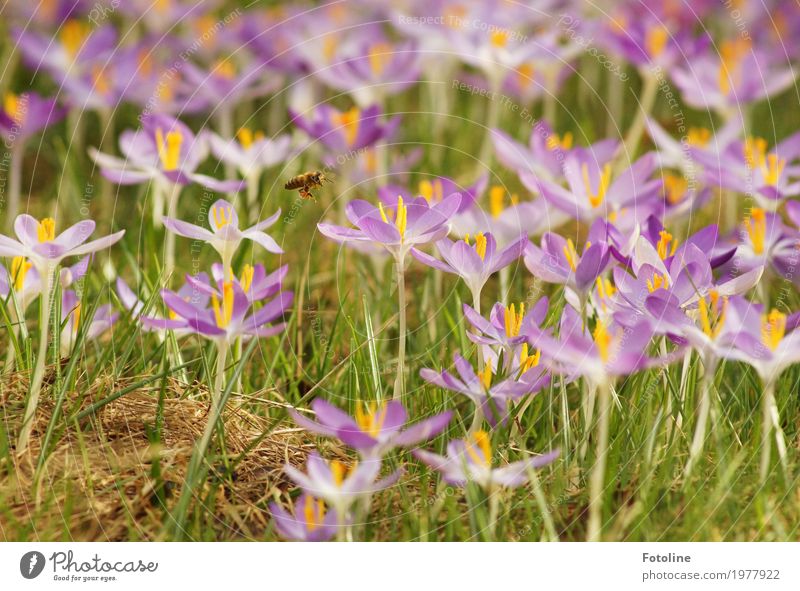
x=770 y=421
x=219 y=377
x=45 y=307
x=598 y=476
x=14 y=186
x=494 y=509
x=634 y=135
x=399 y=383
x=477 y=420
x=504 y=282
x=225 y=125
x=476 y=304
x=702 y=419
x=172 y=210
x=550 y=108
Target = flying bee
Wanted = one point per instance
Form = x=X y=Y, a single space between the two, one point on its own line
x=307 y=181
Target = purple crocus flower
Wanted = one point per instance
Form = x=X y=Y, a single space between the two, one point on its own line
x=491 y=400
x=225 y=235
x=545 y=154
x=592 y=194
x=228 y=318
x=339 y=486
x=507 y=326
x=434 y=190
x=470 y=460
x=558 y=261
x=608 y=351
x=23 y=279
x=73 y=52
x=164 y=149
x=473 y=263
x=506 y=218
x=23 y=116
x=346 y=131
x=721 y=79
x=747 y=167
x=375 y=430
x=308 y=520
x=408 y=226
x=764 y=241
x=38 y=243
x=376 y=69
x=251 y=152
x=72 y=320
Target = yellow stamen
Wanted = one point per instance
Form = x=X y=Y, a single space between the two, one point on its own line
x=675 y=188
x=602 y=340
x=76 y=318
x=480 y=443
x=755 y=151
x=222 y=216
x=313 y=512
x=712 y=313
x=339 y=471
x=525 y=75
x=731 y=54
x=663 y=247
x=555 y=142
x=432 y=191
x=596 y=198
x=605 y=289
x=656 y=40
x=657 y=282
x=370 y=417
x=772 y=169
x=246 y=279
x=329 y=46
x=169 y=148
x=756 y=226
x=527 y=361
x=223 y=313
x=380 y=55
x=698 y=136
x=480 y=244
x=513 y=321
x=72 y=35
x=247 y=137
x=496 y=195
x=19 y=268
x=12 y=107
x=226 y=69
x=571 y=254
x=46 y=230
x=499 y=38
x=349 y=120
x=371 y=161
x=773 y=328
x=100 y=80
x=486 y=376
x=400 y=219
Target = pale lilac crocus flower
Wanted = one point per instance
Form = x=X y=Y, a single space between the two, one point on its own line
x=307 y=521
x=471 y=460
x=188 y=292
x=73 y=320
x=473 y=263
x=490 y=399
x=251 y=153
x=37 y=242
x=398 y=231
x=376 y=429
x=225 y=235
x=338 y=485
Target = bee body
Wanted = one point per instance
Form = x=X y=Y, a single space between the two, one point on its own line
x=306 y=182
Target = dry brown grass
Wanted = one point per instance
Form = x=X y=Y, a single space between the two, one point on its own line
x=100 y=481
